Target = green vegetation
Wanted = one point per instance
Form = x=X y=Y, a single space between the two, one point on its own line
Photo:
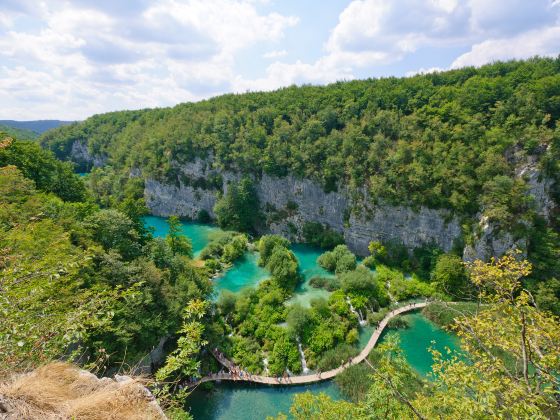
x=450 y=277
x=479 y=384
x=339 y=260
x=444 y=140
x=49 y=174
x=225 y=248
x=321 y=236
x=236 y=210
x=444 y=314
x=20 y=133
x=77 y=278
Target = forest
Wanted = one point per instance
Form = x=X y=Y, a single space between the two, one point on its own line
x=83 y=279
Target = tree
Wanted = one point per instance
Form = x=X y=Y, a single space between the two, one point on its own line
x=298 y=319
x=267 y=243
x=178 y=243
x=283 y=266
x=114 y=230
x=339 y=260
x=238 y=208
x=450 y=277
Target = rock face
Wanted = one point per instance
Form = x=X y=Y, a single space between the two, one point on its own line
x=80 y=154
x=289 y=202
x=295 y=201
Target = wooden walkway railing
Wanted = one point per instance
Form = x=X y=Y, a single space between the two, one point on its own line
x=239 y=375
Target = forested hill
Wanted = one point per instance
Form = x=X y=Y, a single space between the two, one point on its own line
x=37 y=126
x=443 y=140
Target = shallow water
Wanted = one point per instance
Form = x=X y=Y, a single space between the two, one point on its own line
x=252 y=402
x=244 y=273
x=416 y=340
x=229 y=401
x=200 y=234
x=307 y=260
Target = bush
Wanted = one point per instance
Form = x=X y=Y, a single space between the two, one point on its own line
x=238 y=208
x=354 y=382
x=339 y=260
x=328 y=283
x=322 y=236
x=266 y=245
x=450 y=276
x=333 y=358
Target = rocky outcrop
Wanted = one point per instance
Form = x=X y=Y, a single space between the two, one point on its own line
x=81 y=155
x=290 y=202
x=491 y=242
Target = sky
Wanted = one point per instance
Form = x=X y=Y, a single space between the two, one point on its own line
x=68 y=60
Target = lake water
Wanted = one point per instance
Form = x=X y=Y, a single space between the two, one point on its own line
x=245 y=272
x=233 y=401
x=200 y=234
x=255 y=402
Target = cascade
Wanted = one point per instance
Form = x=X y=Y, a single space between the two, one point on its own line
x=357 y=313
x=302 y=357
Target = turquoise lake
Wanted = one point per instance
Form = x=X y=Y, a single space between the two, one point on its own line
x=233 y=401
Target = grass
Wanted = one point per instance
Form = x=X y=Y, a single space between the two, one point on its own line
x=63 y=391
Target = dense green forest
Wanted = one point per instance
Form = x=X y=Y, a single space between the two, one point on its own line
x=76 y=276
x=443 y=140
x=81 y=277
x=453 y=140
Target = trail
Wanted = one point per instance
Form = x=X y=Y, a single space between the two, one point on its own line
x=236 y=374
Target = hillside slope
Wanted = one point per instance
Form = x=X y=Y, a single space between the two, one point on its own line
x=465 y=159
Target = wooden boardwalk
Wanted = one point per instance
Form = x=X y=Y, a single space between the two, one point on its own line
x=305 y=379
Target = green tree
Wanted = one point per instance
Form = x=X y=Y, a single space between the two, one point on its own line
x=178 y=243
x=238 y=208
x=450 y=277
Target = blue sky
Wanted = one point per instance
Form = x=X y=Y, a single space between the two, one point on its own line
x=71 y=59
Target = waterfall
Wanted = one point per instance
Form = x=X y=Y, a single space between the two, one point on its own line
x=358 y=313
x=265 y=363
x=302 y=357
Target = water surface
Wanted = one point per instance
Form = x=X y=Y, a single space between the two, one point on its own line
x=244 y=273
x=200 y=234
x=416 y=340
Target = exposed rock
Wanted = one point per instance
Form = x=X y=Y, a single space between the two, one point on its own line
x=539 y=188
x=492 y=243
x=80 y=154
x=312 y=204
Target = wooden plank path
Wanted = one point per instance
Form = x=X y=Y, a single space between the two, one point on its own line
x=305 y=379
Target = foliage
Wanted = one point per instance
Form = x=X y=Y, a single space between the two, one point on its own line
x=339 y=260
x=178 y=243
x=508 y=370
x=182 y=363
x=354 y=382
x=362 y=282
x=328 y=283
x=283 y=266
x=335 y=357
x=237 y=209
x=49 y=174
x=267 y=243
x=449 y=276
x=444 y=314
x=322 y=236
x=77 y=279
x=226 y=247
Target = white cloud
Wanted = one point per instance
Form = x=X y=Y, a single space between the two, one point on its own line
x=88 y=56
x=67 y=60
x=275 y=54
x=544 y=42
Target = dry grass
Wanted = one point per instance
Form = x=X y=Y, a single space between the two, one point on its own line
x=62 y=391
